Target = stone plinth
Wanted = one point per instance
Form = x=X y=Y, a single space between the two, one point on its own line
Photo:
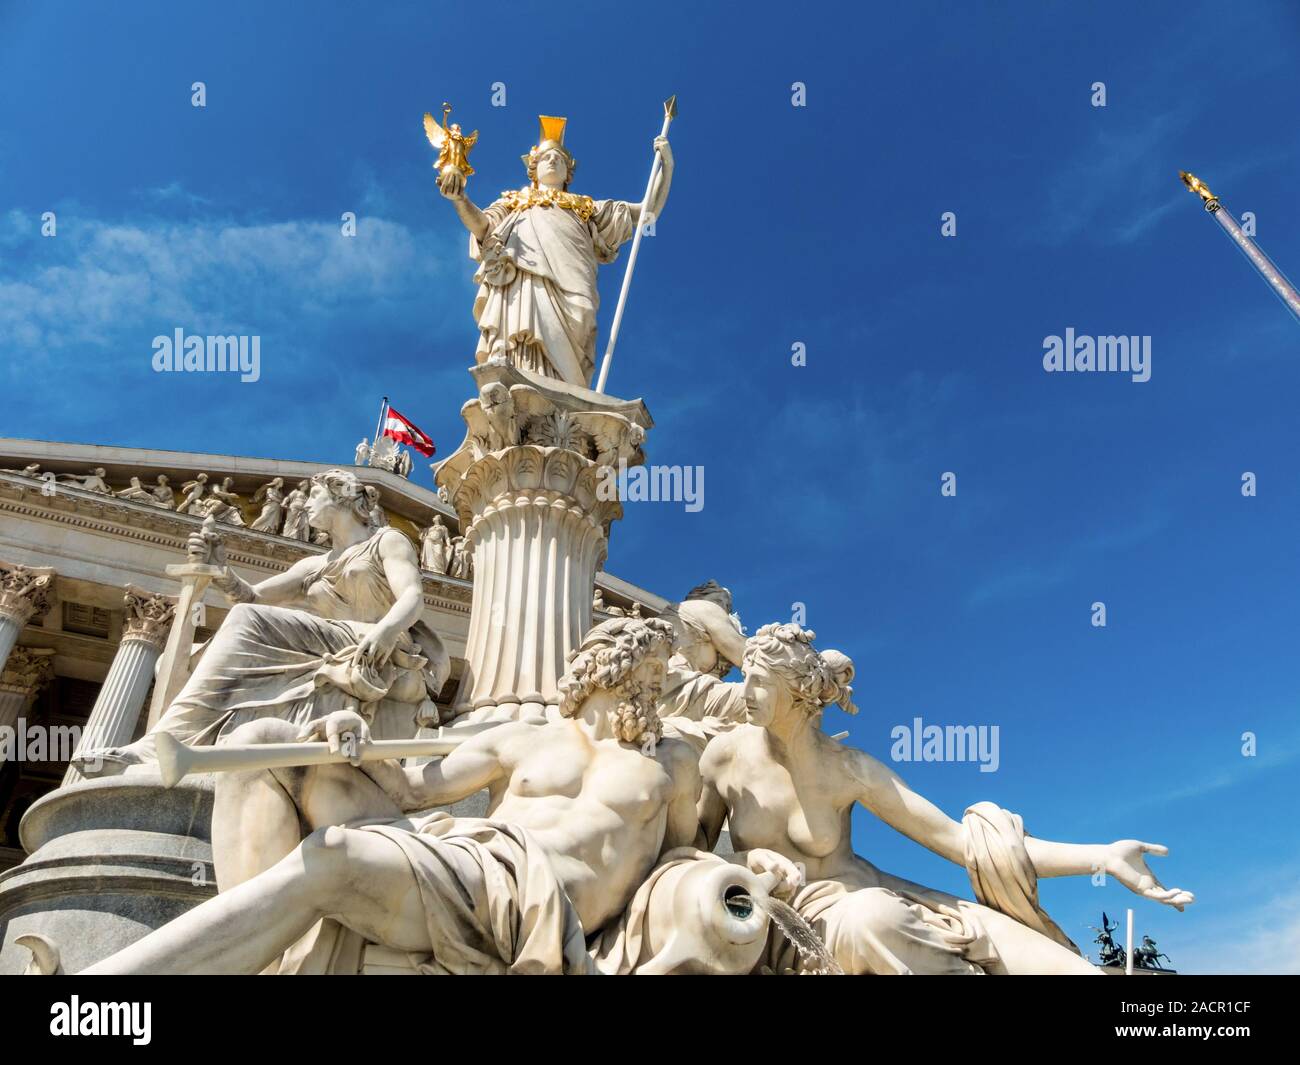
x=108 y=862
x=535 y=488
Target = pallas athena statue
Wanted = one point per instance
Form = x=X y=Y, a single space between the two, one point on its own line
x=538 y=249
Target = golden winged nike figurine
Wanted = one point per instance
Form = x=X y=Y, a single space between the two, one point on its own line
x=453 y=146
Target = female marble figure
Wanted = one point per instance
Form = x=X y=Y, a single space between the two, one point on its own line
x=708 y=641
x=539 y=250
x=784 y=785
x=336 y=631
x=462 y=562
x=295 y=516
x=164 y=495
x=271 y=496
x=435 y=546
x=161 y=495
x=136 y=493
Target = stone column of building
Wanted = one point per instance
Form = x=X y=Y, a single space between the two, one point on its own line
x=116 y=713
x=534 y=489
x=27 y=671
x=24 y=595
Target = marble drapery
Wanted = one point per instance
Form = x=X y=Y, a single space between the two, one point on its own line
x=537 y=294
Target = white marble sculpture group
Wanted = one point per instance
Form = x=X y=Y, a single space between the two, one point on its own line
x=612 y=754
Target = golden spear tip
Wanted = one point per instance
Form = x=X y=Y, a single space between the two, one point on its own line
x=1196 y=185
x=670 y=106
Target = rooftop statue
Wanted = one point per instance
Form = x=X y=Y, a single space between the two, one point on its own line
x=1147 y=956
x=1109 y=953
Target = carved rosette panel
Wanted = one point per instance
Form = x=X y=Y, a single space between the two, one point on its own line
x=537 y=525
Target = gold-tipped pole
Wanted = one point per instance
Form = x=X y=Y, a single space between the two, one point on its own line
x=1277 y=281
x=1201 y=189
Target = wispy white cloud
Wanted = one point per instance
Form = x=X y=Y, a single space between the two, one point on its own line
x=99 y=280
x=79 y=312
x=1109 y=191
x=1263 y=937
x=1023 y=579
x=175 y=193
x=878 y=432
x=1243 y=770
x=1018 y=582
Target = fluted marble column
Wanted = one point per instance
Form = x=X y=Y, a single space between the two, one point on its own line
x=117 y=708
x=532 y=488
x=24 y=595
x=538 y=537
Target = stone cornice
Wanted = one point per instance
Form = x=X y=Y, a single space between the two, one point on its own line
x=145 y=524
x=404 y=497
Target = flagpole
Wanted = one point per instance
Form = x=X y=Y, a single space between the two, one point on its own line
x=670 y=112
x=383 y=409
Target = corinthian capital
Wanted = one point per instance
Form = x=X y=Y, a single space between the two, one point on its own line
x=148 y=617
x=24 y=592
x=27 y=670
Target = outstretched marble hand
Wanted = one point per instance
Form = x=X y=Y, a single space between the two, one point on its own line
x=1126 y=862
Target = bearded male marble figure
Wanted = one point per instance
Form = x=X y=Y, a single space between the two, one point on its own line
x=539 y=248
x=583 y=807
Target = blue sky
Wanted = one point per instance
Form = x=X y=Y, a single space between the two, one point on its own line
x=818 y=225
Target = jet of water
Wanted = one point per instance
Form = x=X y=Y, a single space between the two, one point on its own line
x=817 y=960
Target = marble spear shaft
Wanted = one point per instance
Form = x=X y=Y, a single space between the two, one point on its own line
x=670 y=112
x=177 y=760
x=1268 y=270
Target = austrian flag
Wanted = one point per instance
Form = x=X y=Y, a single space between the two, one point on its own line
x=404 y=431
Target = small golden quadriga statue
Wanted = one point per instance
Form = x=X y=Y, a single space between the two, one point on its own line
x=538 y=249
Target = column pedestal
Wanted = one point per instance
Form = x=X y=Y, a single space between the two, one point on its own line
x=110 y=861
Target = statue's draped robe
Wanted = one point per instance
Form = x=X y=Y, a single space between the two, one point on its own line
x=495 y=907
x=268 y=661
x=435 y=552
x=873 y=922
x=542 y=306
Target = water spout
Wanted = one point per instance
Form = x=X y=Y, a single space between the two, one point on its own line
x=817 y=960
